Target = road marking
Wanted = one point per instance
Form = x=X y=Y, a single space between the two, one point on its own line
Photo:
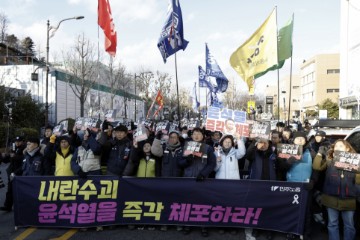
x=26 y=233
x=66 y=235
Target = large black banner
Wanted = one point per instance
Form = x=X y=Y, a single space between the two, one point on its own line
x=107 y=200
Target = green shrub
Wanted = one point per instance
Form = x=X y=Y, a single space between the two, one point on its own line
x=27 y=132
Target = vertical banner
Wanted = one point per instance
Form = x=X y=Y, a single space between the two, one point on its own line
x=74 y=202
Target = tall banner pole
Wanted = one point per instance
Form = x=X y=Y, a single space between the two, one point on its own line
x=199 y=105
x=177 y=89
x=278 y=85
x=290 y=76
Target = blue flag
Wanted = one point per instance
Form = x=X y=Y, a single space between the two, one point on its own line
x=213 y=70
x=194 y=99
x=203 y=80
x=172 y=34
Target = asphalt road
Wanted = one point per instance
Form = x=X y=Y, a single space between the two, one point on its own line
x=8 y=231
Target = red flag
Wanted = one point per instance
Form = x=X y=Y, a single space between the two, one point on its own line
x=159 y=101
x=105 y=21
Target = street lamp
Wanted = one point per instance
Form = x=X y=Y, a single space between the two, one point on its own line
x=48 y=36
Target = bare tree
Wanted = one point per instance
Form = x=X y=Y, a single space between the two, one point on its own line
x=80 y=63
x=4 y=24
x=124 y=83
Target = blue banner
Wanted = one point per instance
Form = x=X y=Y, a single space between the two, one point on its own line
x=172 y=34
x=204 y=81
x=213 y=70
x=108 y=200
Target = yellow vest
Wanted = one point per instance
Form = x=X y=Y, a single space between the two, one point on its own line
x=63 y=165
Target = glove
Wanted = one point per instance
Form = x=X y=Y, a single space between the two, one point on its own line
x=159 y=135
x=200 y=178
x=82 y=174
x=291 y=160
x=309 y=186
x=53 y=138
x=322 y=151
x=105 y=125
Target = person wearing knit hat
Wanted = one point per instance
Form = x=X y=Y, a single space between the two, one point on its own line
x=116 y=151
x=198 y=167
x=61 y=155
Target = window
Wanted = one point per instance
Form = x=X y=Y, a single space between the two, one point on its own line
x=332 y=90
x=295 y=87
x=333 y=71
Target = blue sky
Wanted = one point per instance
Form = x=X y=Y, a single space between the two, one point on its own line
x=223 y=24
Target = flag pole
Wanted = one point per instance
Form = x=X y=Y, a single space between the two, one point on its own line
x=290 y=76
x=177 y=89
x=278 y=85
x=199 y=104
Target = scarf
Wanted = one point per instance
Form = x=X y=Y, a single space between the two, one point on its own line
x=226 y=150
x=172 y=147
x=32 y=153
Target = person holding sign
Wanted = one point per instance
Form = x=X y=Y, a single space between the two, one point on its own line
x=263 y=167
x=227 y=166
x=299 y=169
x=198 y=162
x=86 y=158
x=117 y=150
x=61 y=155
x=339 y=192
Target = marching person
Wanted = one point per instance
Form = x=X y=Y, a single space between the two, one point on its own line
x=339 y=192
x=86 y=158
x=199 y=167
x=15 y=158
x=60 y=155
x=117 y=150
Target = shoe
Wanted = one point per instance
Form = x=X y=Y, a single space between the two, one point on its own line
x=186 y=230
x=83 y=229
x=151 y=228
x=163 y=228
x=99 y=228
x=179 y=228
x=204 y=232
x=7 y=209
x=233 y=232
x=221 y=231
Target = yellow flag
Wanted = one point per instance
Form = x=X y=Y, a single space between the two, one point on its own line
x=258 y=53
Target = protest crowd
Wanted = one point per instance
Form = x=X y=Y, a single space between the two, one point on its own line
x=175 y=151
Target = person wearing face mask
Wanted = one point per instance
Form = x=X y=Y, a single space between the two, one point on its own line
x=339 y=192
x=86 y=158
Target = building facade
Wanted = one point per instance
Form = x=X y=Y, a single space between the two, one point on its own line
x=349 y=101
x=319 y=77
x=295 y=106
x=62 y=100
